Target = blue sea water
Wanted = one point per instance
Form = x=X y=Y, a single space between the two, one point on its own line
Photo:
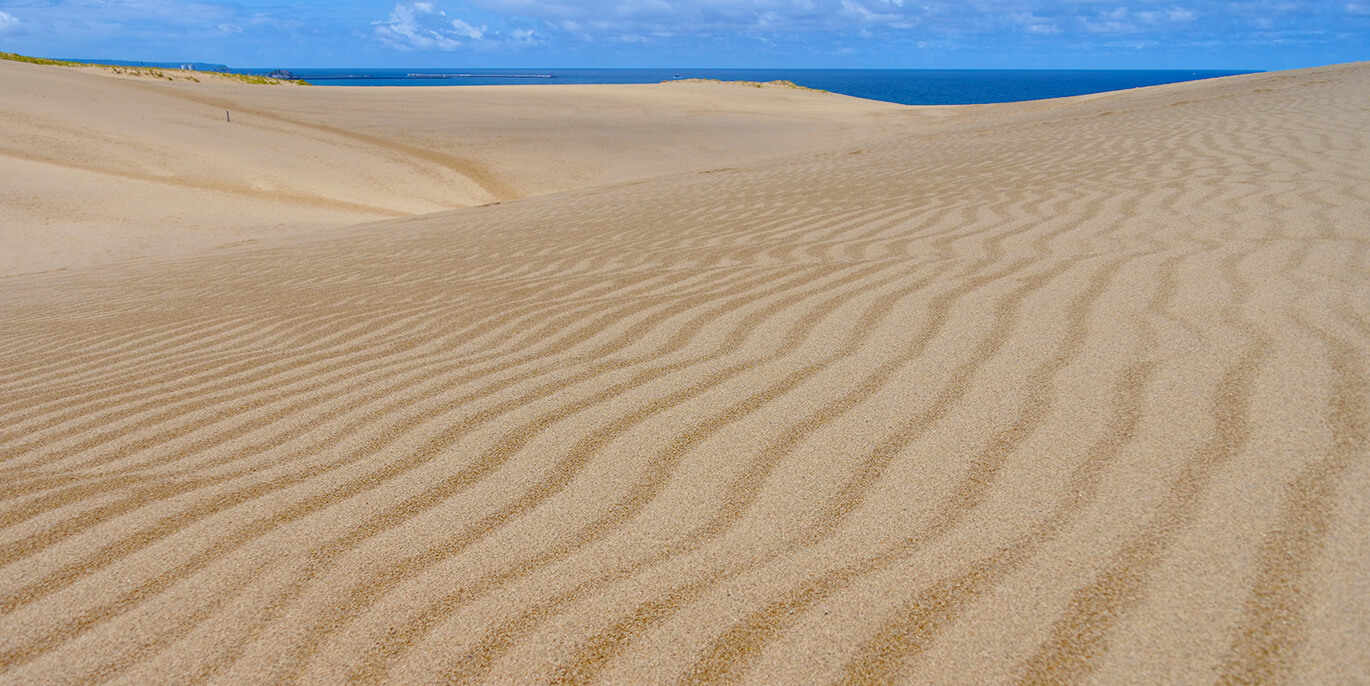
x=904 y=86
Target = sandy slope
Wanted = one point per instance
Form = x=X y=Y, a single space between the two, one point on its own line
x=100 y=167
x=1064 y=392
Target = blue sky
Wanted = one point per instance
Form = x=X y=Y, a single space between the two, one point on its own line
x=972 y=34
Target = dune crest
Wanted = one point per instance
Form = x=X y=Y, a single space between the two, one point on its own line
x=1068 y=391
x=103 y=166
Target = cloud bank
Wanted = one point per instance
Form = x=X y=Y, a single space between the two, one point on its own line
x=946 y=24
x=604 y=18
x=878 y=33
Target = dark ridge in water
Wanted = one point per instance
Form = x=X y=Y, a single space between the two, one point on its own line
x=904 y=86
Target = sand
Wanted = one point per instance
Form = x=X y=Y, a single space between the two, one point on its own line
x=732 y=385
x=102 y=167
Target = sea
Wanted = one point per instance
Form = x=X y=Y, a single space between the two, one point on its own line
x=904 y=86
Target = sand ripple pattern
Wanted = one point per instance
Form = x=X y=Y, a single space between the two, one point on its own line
x=1062 y=393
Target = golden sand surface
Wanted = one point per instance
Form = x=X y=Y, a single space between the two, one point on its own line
x=1072 y=391
x=101 y=167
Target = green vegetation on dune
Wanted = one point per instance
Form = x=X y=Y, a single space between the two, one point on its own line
x=149 y=71
x=37 y=60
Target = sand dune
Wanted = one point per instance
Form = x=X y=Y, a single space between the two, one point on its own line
x=1060 y=392
x=102 y=167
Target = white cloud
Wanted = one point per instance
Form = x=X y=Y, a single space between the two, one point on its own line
x=468 y=30
x=1111 y=27
x=899 y=21
x=1132 y=44
x=524 y=37
x=422 y=26
x=1128 y=20
x=884 y=13
x=61 y=21
x=158 y=27
x=1174 y=15
x=606 y=18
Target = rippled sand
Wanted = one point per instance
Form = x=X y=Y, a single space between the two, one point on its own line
x=1067 y=391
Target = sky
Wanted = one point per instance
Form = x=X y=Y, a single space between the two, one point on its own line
x=875 y=34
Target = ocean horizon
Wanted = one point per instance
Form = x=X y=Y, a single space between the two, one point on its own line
x=903 y=86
